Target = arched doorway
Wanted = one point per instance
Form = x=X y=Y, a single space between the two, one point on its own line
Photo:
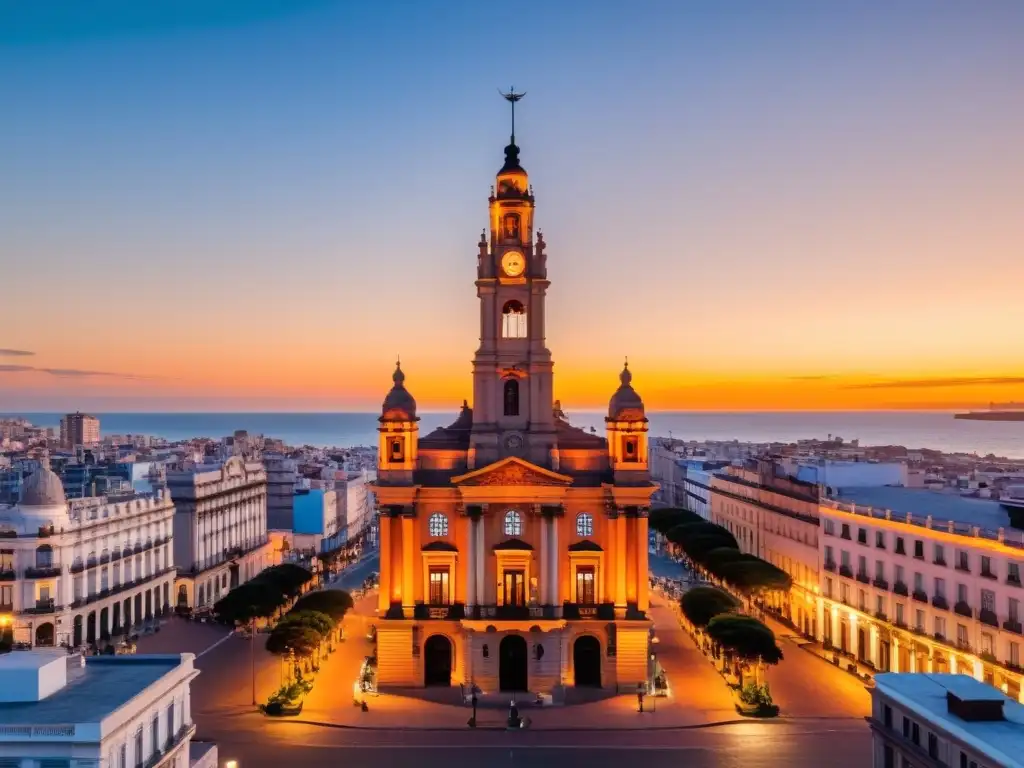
x=90 y=628
x=76 y=632
x=512 y=663
x=44 y=635
x=586 y=661
x=437 y=661
x=104 y=624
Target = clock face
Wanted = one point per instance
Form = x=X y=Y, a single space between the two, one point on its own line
x=513 y=263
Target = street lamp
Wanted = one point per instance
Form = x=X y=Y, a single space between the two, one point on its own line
x=252 y=656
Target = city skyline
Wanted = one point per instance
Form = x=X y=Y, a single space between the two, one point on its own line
x=259 y=206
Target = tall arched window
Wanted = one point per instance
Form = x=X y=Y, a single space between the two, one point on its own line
x=584 y=524
x=512 y=397
x=438 y=524
x=44 y=556
x=513 y=320
x=513 y=523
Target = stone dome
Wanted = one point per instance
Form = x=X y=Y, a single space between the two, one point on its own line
x=42 y=489
x=625 y=404
x=399 y=405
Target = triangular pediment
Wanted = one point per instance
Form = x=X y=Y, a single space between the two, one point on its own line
x=511 y=471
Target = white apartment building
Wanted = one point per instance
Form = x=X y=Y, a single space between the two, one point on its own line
x=281 y=474
x=907 y=592
x=78 y=573
x=942 y=721
x=220 y=527
x=53 y=714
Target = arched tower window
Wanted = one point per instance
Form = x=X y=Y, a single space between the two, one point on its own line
x=513 y=320
x=512 y=397
x=513 y=523
x=510 y=226
x=584 y=524
x=438 y=524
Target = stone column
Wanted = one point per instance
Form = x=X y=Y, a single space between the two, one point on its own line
x=471 y=598
x=555 y=597
x=642 y=591
x=620 y=561
x=545 y=561
x=481 y=561
x=408 y=595
x=894 y=654
x=384 y=536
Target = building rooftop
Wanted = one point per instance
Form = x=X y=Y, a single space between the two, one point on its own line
x=926 y=695
x=921 y=503
x=92 y=692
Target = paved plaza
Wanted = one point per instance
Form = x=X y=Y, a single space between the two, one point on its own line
x=822 y=720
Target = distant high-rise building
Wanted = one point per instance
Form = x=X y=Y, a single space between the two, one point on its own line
x=79 y=429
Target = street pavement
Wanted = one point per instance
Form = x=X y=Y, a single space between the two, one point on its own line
x=397 y=731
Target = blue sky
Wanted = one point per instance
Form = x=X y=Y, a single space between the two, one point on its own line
x=263 y=202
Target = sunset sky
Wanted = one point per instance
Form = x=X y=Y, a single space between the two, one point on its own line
x=223 y=205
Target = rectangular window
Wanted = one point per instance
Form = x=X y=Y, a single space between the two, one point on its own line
x=879 y=570
x=1013 y=609
x=1015 y=654
x=988 y=600
x=906 y=727
x=940 y=626
x=138 y=748
x=585 y=591
x=830 y=528
x=514 y=588
x=887 y=715
x=170 y=724
x=915 y=733
x=154 y=728
x=961 y=593
x=986 y=567
x=439 y=586
x=963 y=561
x=396 y=450
x=940 y=555
x=880 y=539
x=1013 y=573
x=933 y=746
x=899 y=613
x=919 y=549
x=940 y=587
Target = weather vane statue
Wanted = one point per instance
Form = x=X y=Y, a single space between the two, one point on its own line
x=512 y=97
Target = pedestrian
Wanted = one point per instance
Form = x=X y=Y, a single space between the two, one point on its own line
x=640 y=690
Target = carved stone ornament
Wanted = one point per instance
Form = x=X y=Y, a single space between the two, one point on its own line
x=512 y=474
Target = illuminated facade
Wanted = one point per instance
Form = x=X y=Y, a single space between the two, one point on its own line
x=513 y=545
x=775 y=519
x=908 y=594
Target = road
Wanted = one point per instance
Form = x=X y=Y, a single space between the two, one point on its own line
x=802 y=684
x=222 y=707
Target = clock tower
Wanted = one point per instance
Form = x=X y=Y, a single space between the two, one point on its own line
x=512 y=370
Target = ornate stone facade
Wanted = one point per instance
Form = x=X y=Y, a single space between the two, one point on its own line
x=513 y=545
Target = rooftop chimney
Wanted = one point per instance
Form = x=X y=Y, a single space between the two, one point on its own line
x=975 y=710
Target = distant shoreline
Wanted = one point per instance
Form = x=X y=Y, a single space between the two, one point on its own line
x=991 y=416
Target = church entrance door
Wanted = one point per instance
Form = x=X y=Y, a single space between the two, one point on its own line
x=437 y=661
x=586 y=661
x=512 y=663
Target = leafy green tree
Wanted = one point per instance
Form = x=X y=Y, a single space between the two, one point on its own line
x=319 y=622
x=665 y=518
x=249 y=601
x=745 y=638
x=702 y=604
x=301 y=639
x=289 y=578
x=755 y=576
x=334 y=602
x=716 y=559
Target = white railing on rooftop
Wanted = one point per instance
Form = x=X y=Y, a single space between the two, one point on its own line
x=36 y=731
x=1013 y=539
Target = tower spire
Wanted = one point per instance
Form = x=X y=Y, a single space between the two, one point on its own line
x=512 y=97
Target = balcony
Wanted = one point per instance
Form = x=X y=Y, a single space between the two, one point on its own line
x=43 y=606
x=830 y=565
x=104 y=559
x=91 y=562
x=148 y=544
x=452 y=612
x=988 y=574
x=137 y=549
x=167 y=757
x=1013 y=626
x=899 y=588
x=1013 y=581
x=963 y=645
x=126 y=552
x=881 y=616
x=940 y=602
x=115 y=555
x=963 y=609
x=42 y=572
x=863 y=578
x=512 y=612
x=920 y=595
x=988 y=617
x=880 y=584
x=900 y=549
x=7 y=575
x=845 y=570
x=940 y=561
x=962 y=567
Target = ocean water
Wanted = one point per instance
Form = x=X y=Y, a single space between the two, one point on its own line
x=913 y=429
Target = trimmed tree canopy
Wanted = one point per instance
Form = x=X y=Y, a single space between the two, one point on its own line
x=754 y=576
x=297 y=637
x=664 y=519
x=334 y=602
x=249 y=601
x=701 y=604
x=746 y=637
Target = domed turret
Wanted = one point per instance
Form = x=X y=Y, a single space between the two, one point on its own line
x=399 y=405
x=626 y=404
x=42 y=489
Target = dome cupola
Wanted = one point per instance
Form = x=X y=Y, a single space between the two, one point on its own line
x=626 y=404
x=42 y=488
x=399 y=405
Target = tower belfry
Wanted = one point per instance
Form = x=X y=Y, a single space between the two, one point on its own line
x=512 y=370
